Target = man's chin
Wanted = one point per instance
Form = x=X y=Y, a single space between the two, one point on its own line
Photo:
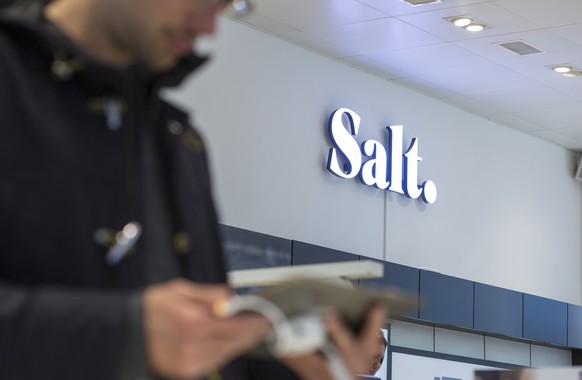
x=162 y=65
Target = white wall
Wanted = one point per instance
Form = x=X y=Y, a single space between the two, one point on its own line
x=508 y=211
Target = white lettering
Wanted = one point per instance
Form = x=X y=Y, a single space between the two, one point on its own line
x=411 y=173
x=373 y=171
x=345 y=143
x=429 y=192
x=395 y=142
x=385 y=169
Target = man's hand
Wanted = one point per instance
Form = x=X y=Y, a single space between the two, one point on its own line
x=183 y=337
x=355 y=351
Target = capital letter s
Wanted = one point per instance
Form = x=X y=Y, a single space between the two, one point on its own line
x=344 y=143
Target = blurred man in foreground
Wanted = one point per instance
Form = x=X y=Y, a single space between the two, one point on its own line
x=110 y=257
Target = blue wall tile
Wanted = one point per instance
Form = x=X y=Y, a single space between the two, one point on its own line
x=574 y=326
x=247 y=249
x=402 y=277
x=304 y=253
x=545 y=320
x=447 y=300
x=498 y=310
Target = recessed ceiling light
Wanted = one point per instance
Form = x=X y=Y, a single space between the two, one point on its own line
x=565 y=70
x=461 y=21
x=474 y=27
x=562 y=69
x=420 y=2
x=467 y=22
x=241 y=7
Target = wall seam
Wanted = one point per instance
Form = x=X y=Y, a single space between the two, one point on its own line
x=385 y=227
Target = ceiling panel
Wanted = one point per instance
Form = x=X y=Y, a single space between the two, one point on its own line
x=399 y=8
x=414 y=46
x=570 y=32
x=523 y=98
x=516 y=122
x=312 y=15
x=419 y=60
x=423 y=87
x=476 y=79
x=472 y=105
x=537 y=69
x=376 y=67
x=378 y=35
x=573 y=88
x=551 y=45
x=328 y=48
x=555 y=117
x=546 y=14
x=500 y=20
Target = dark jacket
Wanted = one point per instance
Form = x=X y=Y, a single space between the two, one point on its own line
x=69 y=168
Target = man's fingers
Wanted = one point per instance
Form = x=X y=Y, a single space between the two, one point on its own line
x=199 y=292
x=240 y=327
x=179 y=304
x=374 y=322
x=356 y=350
x=184 y=337
x=347 y=344
x=199 y=345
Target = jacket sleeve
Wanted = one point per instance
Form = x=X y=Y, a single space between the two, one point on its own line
x=268 y=370
x=60 y=333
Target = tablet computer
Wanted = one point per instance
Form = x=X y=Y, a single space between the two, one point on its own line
x=351 y=304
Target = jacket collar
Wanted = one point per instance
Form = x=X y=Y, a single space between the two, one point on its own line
x=68 y=60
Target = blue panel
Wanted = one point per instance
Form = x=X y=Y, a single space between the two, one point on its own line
x=246 y=249
x=399 y=276
x=304 y=253
x=574 y=326
x=498 y=310
x=545 y=320
x=446 y=300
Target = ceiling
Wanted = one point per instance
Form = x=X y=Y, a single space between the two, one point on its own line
x=416 y=47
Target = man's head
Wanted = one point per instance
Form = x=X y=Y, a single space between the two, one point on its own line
x=378 y=354
x=157 y=32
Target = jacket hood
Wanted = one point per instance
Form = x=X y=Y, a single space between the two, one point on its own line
x=25 y=20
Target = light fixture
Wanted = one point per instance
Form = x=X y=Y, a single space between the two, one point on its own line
x=467 y=22
x=415 y=3
x=565 y=70
x=474 y=27
x=241 y=7
x=562 y=69
x=462 y=21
